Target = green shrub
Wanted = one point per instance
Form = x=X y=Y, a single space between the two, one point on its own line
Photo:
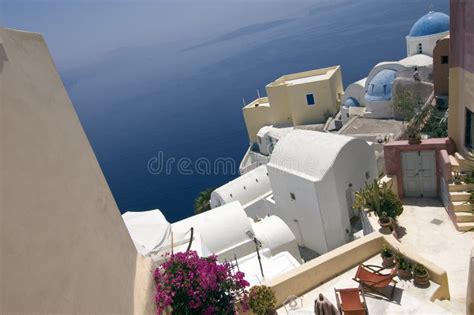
x=386 y=251
x=419 y=270
x=203 y=201
x=391 y=204
x=403 y=263
x=437 y=124
x=379 y=198
x=262 y=300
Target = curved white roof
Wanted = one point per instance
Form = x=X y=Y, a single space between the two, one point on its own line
x=355 y=90
x=149 y=230
x=361 y=82
x=273 y=232
x=245 y=188
x=308 y=153
x=262 y=131
x=274 y=132
x=417 y=60
x=220 y=228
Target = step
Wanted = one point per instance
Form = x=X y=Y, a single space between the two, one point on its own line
x=459 y=195
x=465 y=164
x=464 y=216
x=455 y=166
x=460 y=187
x=461 y=206
x=465 y=226
x=459 y=157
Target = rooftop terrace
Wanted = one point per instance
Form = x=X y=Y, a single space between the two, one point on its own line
x=259 y=102
x=305 y=77
x=426 y=235
x=407 y=297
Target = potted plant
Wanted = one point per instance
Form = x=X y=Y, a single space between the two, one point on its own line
x=421 y=275
x=262 y=300
x=414 y=136
x=387 y=256
x=385 y=221
x=403 y=267
x=379 y=198
x=457 y=178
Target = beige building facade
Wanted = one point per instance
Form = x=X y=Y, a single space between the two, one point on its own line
x=441 y=67
x=461 y=78
x=296 y=99
x=64 y=248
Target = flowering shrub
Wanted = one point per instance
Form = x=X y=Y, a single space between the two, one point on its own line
x=190 y=284
x=262 y=300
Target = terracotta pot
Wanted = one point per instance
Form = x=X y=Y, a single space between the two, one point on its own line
x=385 y=224
x=414 y=139
x=421 y=280
x=388 y=261
x=404 y=274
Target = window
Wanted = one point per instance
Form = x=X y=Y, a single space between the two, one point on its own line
x=420 y=48
x=292 y=196
x=444 y=60
x=310 y=99
x=469 y=129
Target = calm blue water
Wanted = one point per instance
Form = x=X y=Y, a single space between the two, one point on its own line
x=169 y=77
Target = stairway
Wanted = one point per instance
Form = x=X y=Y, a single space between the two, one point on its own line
x=460 y=194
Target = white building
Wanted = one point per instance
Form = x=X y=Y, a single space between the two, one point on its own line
x=378 y=98
x=372 y=97
x=249 y=189
x=426 y=32
x=313 y=176
x=375 y=91
x=222 y=231
x=268 y=137
x=308 y=183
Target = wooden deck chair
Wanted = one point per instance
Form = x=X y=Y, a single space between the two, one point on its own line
x=349 y=301
x=371 y=278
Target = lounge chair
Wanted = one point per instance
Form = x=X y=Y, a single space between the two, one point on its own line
x=371 y=278
x=349 y=301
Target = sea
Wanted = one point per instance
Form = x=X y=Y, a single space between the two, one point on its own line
x=159 y=85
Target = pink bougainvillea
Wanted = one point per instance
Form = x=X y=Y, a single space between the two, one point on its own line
x=190 y=284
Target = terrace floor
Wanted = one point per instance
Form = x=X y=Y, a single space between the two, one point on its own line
x=430 y=230
x=427 y=227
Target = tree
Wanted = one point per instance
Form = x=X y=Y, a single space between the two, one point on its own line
x=437 y=125
x=410 y=106
x=203 y=201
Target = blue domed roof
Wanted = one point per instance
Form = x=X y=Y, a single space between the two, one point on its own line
x=351 y=102
x=430 y=23
x=380 y=87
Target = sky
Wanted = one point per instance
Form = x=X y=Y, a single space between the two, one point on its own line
x=79 y=32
